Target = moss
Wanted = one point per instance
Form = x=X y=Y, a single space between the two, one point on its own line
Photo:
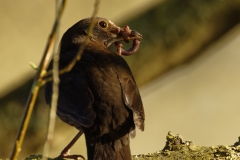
x=178 y=149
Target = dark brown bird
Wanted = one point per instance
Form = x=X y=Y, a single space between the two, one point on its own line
x=99 y=96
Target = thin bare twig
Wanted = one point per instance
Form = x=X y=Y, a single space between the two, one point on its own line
x=52 y=115
x=81 y=49
x=38 y=80
x=35 y=87
x=55 y=77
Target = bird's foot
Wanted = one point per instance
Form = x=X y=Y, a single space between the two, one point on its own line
x=66 y=151
x=66 y=154
x=127 y=35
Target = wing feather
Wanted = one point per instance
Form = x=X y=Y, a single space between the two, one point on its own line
x=132 y=99
x=75 y=100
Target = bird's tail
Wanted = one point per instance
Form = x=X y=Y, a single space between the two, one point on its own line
x=116 y=150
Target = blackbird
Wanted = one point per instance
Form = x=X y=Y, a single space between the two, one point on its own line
x=99 y=96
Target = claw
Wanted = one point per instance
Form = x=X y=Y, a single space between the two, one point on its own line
x=74 y=156
x=66 y=151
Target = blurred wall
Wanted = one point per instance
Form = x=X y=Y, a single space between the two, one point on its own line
x=199 y=100
x=25 y=26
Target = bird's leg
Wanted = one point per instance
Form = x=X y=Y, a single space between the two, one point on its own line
x=65 y=152
x=127 y=35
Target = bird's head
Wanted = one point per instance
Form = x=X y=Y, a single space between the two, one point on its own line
x=104 y=33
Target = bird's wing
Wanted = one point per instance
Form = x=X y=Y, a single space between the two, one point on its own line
x=132 y=99
x=74 y=101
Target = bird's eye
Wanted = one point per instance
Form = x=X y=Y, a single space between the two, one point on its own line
x=103 y=24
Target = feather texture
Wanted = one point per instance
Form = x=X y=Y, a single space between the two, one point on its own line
x=99 y=95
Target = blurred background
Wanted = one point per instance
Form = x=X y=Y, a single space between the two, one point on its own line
x=187 y=68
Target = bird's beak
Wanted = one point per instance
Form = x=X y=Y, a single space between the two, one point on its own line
x=126 y=34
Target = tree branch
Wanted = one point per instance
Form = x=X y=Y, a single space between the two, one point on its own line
x=35 y=87
x=176 y=148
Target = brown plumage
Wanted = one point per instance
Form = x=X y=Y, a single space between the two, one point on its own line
x=99 y=96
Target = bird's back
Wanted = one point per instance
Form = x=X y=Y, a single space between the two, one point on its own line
x=91 y=98
x=109 y=133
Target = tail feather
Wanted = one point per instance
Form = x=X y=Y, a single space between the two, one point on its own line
x=106 y=152
x=117 y=150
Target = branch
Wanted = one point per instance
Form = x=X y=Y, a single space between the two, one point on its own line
x=80 y=51
x=176 y=148
x=55 y=77
x=52 y=115
x=35 y=87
